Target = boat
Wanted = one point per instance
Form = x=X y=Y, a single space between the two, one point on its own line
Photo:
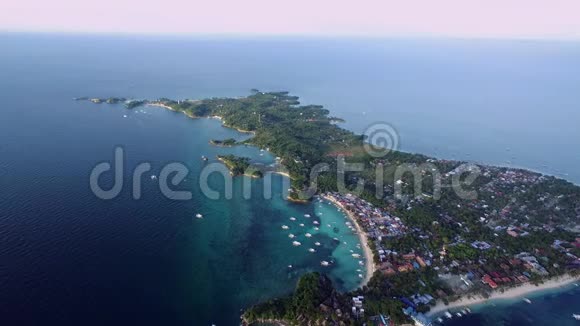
x=289 y=266
x=458 y=314
x=356 y=255
x=198 y=215
x=440 y=320
x=324 y=263
x=464 y=312
x=360 y=275
x=468 y=310
x=153 y=177
x=285 y=227
x=307 y=215
x=291 y=236
x=317 y=243
x=296 y=243
x=203 y=157
x=301 y=224
x=292 y=219
x=316 y=228
x=124 y=115
x=448 y=314
x=316 y=223
x=308 y=235
x=311 y=250
x=527 y=300
x=576 y=316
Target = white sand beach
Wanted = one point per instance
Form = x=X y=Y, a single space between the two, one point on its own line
x=370 y=265
x=512 y=293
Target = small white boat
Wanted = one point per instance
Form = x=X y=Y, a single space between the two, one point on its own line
x=301 y=224
x=198 y=215
x=291 y=236
x=356 y=255
x=296 y=243
x=311 y=250
x=527 y=300
x=289 y=266
x=440 y=320
x=153 y=177
x=360 y=262
x=292 y=219
x=316 y=223
x=576 y=316
x=335 y=239
x=307 y=215
x=324 y=263
x=124 y=115
x=459 y=314
x=360 y=275
x=316 y=228
x=448 y=315
x=308 y=235
x=317 y=243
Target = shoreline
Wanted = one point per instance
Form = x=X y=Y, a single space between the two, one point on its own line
x=370 y=265
x=518 y=292
x=160 y=105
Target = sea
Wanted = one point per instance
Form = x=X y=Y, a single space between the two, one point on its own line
x=69 y=257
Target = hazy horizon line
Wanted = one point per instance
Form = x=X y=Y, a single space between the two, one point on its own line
x=354 y=36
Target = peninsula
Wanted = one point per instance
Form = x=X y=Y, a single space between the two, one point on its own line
x=427 y=246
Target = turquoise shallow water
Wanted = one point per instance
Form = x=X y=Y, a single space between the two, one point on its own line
x=150 y=257
x=67 y=257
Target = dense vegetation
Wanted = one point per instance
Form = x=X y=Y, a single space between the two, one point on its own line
x=236 y=165
x=542 y=209
x=315 y=301
x=226 y=142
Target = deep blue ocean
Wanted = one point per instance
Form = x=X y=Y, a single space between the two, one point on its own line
x=67 y=257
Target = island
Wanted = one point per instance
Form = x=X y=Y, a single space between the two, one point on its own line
x=240 y=166
x=427 y=248
x=224 y=143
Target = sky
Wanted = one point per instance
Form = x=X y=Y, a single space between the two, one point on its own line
x=539 y=19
